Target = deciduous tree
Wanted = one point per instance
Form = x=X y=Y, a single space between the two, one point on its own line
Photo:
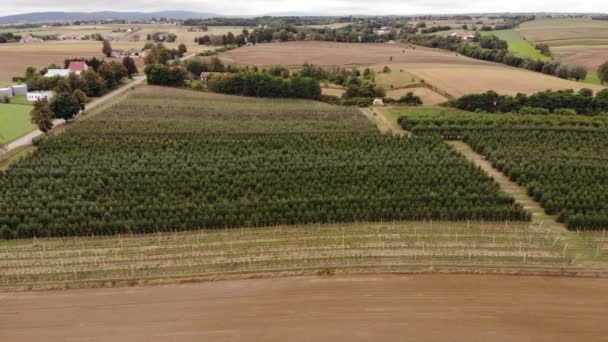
x=42 y=116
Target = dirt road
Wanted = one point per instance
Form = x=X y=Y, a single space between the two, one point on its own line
x=430 y=307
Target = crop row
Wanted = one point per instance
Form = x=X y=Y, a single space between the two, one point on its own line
x=187 y=161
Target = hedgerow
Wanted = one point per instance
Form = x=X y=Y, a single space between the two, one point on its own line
x=175 y=160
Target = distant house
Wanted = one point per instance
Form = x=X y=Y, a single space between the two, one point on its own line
x=33 y=96
x=30 y=40
x=462 y=34
x=120 y=53
x=205 y=76
x=57 y=72
x=78 y=67
x=70 y=37
x=378 y=102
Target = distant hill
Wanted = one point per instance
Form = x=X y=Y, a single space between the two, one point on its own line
x=74 y=16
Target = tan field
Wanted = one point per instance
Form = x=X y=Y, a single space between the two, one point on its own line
x=423 y=307
x=15 y=58
x=453 y=73
x=560 y=32
x=590 y=56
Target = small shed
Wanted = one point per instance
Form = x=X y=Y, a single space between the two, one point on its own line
x=20 y=89
x=378 y=102
x=6 y=92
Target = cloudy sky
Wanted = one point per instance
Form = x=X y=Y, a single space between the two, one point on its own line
x=333 y=7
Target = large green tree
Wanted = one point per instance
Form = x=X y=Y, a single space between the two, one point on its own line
x=42 y=116
x=65 y=106
x=130 y=66
x=107 y=48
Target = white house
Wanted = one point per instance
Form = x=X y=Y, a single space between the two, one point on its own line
x=462 y=35
x=57 y=72
x=33 y=96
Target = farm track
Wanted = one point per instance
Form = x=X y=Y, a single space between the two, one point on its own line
x=578 y=247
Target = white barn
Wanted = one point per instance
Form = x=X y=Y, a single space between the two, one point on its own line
x=57 y=72
x=33 y=96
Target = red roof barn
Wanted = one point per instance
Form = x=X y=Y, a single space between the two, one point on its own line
x=78 y=67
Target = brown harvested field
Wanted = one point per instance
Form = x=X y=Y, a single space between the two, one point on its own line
x=564 y=31
x=428 y=96
x=423 y=307
x=15 y=58
x=344 y=54
x=332 y=91
x=590 y=56
x=455 y=74
x=458 y=80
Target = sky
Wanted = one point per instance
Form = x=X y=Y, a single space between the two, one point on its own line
x=320 y=7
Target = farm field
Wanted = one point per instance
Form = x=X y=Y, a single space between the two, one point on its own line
x=517 y=44
x=497 y=308
x=563 y=31
x=355 y=247
x=428 y=97
x=589 y=56
x=14 y=121
x=442 y=69
x=279 y=162
x=15 y=58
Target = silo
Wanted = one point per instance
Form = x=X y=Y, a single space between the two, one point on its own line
x=5 y=92
x=19 y=90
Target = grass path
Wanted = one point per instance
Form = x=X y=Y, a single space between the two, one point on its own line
x=575 y=244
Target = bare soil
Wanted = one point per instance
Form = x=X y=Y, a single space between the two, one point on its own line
x=453 y=73
x=429 y=307
x=589 y=56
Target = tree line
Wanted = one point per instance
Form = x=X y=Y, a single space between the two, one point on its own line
x=568 y=101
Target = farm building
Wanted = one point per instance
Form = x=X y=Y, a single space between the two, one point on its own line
x=120 y=53
x=77 y=67
x=5 y=92
x=19 y=90
x=378 y=102
x=57 y=72
x=29 y=40
x=205 y=76
x=33 y=96
x=461 y=34
x=70 y=37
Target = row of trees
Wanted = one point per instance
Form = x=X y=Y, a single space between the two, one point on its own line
x=497 y=52
x=573 y=188
x=581 y=102
x=264 y=84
